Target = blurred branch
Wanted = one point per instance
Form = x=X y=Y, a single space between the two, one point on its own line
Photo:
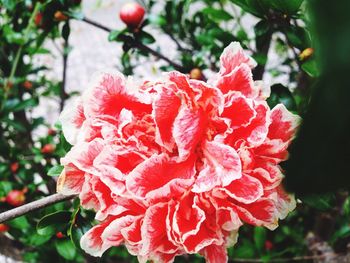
x=137 y=44
x=291 y=259
x=63 y=94
x=262 y=48
x=24 y=209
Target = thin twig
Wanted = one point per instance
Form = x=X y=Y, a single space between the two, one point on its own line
x=291 y=259
x=24 y=209
x=137 y=44
x=63 y=94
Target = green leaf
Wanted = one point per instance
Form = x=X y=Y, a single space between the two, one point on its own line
x=281 y=94
x=114 y=34
x=65 y=248
x=217 y=14
x=259 y=238
x=66 y=31
x=19 y=223
x=311 y=68
x=53 y=223
x=146 y=38
x=286 y=6
x=321 y=202
x=157 y=20
x=17 y=105
x=261 y=28
x=55 y=171
x=37 y=240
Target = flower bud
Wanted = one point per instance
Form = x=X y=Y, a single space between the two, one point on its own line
x=132 y=14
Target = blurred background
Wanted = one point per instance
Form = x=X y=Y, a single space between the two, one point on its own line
x=50 y=49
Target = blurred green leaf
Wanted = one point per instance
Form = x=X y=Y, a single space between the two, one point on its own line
x=65 y=248
x=55 y=171
x=217 y=14
x=259 y=238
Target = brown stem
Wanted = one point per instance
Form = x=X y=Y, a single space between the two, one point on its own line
x=262 y=47
x=24 y=209
x=291 y=259
x=137 y=44
x=63 y=94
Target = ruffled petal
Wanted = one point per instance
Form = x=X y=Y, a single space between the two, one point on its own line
x=165 y=109
x=246 y=189
x=72 y=118
x=239 y=110
x=160 y=177
x=71 y=180
x=215 y=254
x=154 y=231
x=222 y=165
x=239 y=80
x=283 y=123
x=108 y=95
x=188 y=130
x=232 y=57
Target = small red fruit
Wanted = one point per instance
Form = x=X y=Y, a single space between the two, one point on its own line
x=268 y=245
x=28 y=85
x=196 y=73
x=59 y=235
x=4 y=228
x=132 y=14
x=48 y=148
x=38 y=19
x=51 y=132
x=59 y=16
x=15 y=198
x=14 y=167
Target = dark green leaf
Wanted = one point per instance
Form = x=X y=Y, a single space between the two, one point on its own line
x=53 y=223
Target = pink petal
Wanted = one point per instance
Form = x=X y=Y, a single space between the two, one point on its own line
x=165 y=110
x=72 y=118
x=283 y=123
x=108 y=95
x=195 y=228
x=239 y=110
x=239 y=80
x=222 y=166
x=260 y=213
x=112 y=235
x=160 y=177
x=246 y=189
x=83 y=155
x=285 y=203
x=255 y=133
x=215 y=254
x=92 y=243
x=188 y=131
x=234 y=56
x=153 y=231
x=71 y=180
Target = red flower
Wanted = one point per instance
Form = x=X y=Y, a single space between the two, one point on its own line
x=177 y=166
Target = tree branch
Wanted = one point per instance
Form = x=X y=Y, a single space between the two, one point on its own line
x=137 y=44
x=63 y=94
x=24 y=209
